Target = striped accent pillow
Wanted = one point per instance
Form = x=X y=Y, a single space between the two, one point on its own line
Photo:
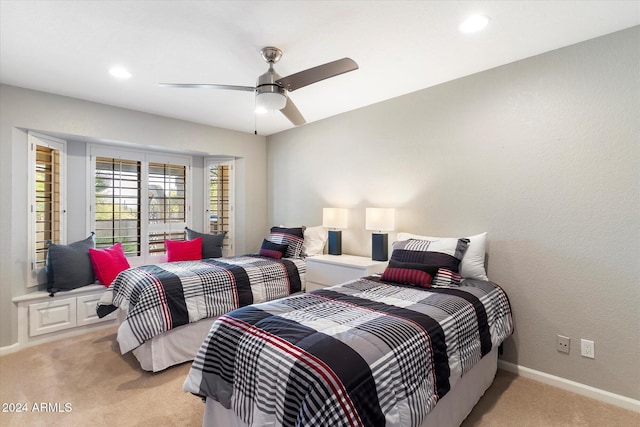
x=293 y=237
x=408 y=273
x=272 y=250
x=445 y=254
x=446 y=277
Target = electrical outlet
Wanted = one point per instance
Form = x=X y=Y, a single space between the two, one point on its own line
x=587 y=348
x=562 y=344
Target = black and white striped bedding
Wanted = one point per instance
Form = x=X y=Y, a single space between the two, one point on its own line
x=160 y=297
x=365 y=353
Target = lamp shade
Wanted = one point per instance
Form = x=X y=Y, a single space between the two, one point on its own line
x=334 y=217
x=380 y=219
x=270 y=101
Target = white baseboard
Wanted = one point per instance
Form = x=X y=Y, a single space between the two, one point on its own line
x=572 y=386
x=8 y=349
x=55 y=336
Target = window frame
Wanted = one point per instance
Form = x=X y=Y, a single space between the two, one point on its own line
x=229 y=247
x=169 y=228
x=145 y=157
x=37 y=274
x=137 y=164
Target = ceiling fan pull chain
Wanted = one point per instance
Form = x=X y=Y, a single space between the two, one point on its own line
x=255 y=116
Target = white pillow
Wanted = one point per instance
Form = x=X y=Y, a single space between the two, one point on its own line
x=472 y=264
x=314 y=240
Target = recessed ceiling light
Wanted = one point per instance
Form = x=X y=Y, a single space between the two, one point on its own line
x=120 y=73
x=474 y=23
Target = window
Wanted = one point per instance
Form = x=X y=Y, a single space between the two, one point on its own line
x=140 y=199
x=47 y=158
x=219 y=218
x=167 y=204
x=117 y=204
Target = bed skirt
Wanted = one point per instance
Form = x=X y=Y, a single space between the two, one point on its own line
x=451 y=410
x=173 y=347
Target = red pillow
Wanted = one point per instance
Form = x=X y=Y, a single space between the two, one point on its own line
x=184 y=250
x=108 y=263
x=409 y=273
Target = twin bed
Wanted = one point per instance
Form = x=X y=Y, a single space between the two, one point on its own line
x=362 y=353
x=166 y=310
x=414 y=347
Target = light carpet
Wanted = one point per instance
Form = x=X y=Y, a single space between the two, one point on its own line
x=84 y=381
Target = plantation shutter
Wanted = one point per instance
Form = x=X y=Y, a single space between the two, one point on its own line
x=48 y=201
x=167 y=204
x=117 y=204
x=220 y=200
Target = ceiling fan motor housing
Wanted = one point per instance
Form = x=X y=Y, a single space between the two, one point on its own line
x=269 y=94
x=267 y=83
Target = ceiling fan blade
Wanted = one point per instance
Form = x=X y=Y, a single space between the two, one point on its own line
x=292 y=113
x=207 y=86
x=316 y=74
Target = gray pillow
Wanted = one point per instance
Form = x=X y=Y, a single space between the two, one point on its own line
x=69 y=266
x=211 y=243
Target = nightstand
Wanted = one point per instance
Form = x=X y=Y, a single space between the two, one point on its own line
x=329 y=270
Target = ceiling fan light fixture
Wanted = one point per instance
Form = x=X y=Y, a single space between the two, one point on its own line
x=270 y=101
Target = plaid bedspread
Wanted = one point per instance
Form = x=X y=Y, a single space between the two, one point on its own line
x=161 y=297
x=365 y=353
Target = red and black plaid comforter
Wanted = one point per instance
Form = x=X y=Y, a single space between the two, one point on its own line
x=161 y=297
x=366 y=353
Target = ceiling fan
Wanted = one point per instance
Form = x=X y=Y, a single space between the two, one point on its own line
x=272 y=90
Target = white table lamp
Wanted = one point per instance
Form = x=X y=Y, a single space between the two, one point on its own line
x=380 y=219
x=334 y=218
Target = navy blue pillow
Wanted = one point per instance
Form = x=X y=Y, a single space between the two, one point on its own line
x=211 y=243
x=272 y=250
x=69 y=266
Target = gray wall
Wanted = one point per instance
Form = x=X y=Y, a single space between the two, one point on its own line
x=543 y=154
x=22 y=109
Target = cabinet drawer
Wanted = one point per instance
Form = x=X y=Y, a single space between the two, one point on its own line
x=333 y=274
x=46 y=317
x=86 y=310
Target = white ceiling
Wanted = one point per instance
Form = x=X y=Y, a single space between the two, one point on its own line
x=67 y=48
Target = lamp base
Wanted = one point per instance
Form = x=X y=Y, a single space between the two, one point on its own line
x=379 y=247
x=335 y=242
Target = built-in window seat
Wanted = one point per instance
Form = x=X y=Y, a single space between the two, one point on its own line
x=43 y=318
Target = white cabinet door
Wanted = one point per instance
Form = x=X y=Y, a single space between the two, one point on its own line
x=46 y=317
x=332 y=274
x=86 y=310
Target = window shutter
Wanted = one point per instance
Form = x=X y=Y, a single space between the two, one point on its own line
x=219 y=200
x=117 y=204
x=47 y=201
x=167 y=204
